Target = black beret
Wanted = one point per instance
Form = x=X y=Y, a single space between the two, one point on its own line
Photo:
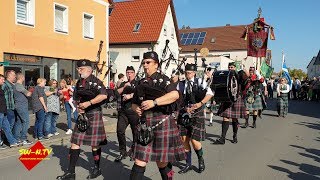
x=232 y=64
x=130 y=68
x=191 y=67
x=83 y=62
x=151 y=55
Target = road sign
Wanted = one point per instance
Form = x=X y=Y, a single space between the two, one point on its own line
x=4 y=63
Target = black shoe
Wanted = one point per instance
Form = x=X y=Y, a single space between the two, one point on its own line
x=235 y=140
x=220 y=141
x=210 y=124
x=246 y=124
x=185 y=169
x=94 y=173
x=120 y=157
x=202 y=166
x=67 y=176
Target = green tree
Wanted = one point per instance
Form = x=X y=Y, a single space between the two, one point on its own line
x=297 y=73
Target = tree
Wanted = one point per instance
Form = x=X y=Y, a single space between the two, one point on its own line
x=297 y=73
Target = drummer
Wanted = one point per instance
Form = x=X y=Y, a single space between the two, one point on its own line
x=231 y=111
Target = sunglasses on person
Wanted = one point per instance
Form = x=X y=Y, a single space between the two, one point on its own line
x=146 y=62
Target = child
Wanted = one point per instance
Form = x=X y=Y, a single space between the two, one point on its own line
x=71 y=89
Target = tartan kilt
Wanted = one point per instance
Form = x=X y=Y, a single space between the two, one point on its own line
x=197 y=131
x=166 y=146
x=233 y=110
x=282 y=105
x=95 y=134
x=256 y=105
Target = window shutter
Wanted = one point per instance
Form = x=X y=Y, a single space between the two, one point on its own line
x=59 y=18
x=86 y=24
x=22 y=10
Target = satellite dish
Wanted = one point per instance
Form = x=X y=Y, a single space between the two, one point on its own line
x=204 y=52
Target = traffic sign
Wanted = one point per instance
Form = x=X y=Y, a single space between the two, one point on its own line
x=4 y=63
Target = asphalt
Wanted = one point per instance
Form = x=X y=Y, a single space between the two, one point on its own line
x=279 y=148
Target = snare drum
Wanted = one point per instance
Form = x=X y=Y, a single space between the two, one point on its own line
x=225 y=86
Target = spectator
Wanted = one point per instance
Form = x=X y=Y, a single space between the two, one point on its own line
x=39 y=104
x=4 y=124
x=120 y=80
x=21 y=125
x=53 y=104
x=8 y=93
x=66 y=92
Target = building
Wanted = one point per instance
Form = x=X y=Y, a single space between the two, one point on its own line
x=46 y=38
x=313 y=68
x=139 y=26
x=217 y=44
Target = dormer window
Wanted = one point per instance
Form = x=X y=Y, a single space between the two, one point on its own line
x=137 y=27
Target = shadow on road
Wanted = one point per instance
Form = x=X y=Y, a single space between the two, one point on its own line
x=315 y=126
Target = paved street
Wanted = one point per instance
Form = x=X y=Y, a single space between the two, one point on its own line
x=278 y=149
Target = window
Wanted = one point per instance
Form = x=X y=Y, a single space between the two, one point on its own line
x=60 y=18
x=88 y=26
x=137 y=27
x=165 y=30
x=172 y=33
x=135 y=53
x=25 y=12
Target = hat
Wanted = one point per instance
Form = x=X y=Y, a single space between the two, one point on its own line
x=84 y=62
x=130 y=68
x=151 y=55
x=232 y=64
x=191 y=67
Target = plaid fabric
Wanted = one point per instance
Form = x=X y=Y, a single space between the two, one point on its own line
x=256 y=105
x=7 y=87
x=233 y=110
x=197 y=131
x=166 y=146
x=95 y=134
x=282 y=105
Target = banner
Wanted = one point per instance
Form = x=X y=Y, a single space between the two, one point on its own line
x=266 y=70
x=257 y=43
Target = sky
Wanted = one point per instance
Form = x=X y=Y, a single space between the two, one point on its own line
x=296 y=23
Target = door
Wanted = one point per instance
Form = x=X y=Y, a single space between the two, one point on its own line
x=32 y=73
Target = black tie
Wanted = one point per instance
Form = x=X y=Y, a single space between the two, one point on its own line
x=189 y=91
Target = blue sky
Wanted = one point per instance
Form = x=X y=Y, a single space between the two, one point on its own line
x=296 y=23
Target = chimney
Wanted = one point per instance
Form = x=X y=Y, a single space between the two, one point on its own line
x=227 y=24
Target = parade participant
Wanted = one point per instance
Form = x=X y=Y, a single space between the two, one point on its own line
x=126 y=115
x=253 y=99
x=90 y=94
x=232 y=110
x=210 y=105
x=283 y=89
x=193 y=129
x=153 y=101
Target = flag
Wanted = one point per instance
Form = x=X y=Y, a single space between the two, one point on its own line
x=266 y=70
x=285 y=72
x=257 y=43
x=272 y=37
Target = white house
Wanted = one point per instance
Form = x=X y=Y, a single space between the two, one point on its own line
x=313 y=68
x=224 y=44
x=139 y=26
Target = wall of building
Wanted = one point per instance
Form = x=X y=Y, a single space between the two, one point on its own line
x=42 y=40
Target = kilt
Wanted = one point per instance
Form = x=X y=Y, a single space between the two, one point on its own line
x=95 y=134
x=197 y=131
x=233 y=110
x=166 y=146
x=282 y=105
x=256 y=105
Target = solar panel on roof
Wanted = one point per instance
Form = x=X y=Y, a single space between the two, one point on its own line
x=203 y=34
x=192 y=38
x=181 y=35
x=183 y=41
x=190 y=35
x=196 y=35
x=194 y=41
x=188 y=41
x=185 y=35
x=200 y=41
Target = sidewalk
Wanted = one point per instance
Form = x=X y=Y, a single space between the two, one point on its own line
x=110 y=123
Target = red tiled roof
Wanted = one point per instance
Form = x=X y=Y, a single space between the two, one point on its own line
x=151 y=15
x=227 y=38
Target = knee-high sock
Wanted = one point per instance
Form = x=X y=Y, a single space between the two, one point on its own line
x=211 y=117
x=188 y=157
x=225 y=127
x=74 y=155
x=199 y=153
x=96 y=157
x=166 y=172
x=235 y=127
x=137 y=172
